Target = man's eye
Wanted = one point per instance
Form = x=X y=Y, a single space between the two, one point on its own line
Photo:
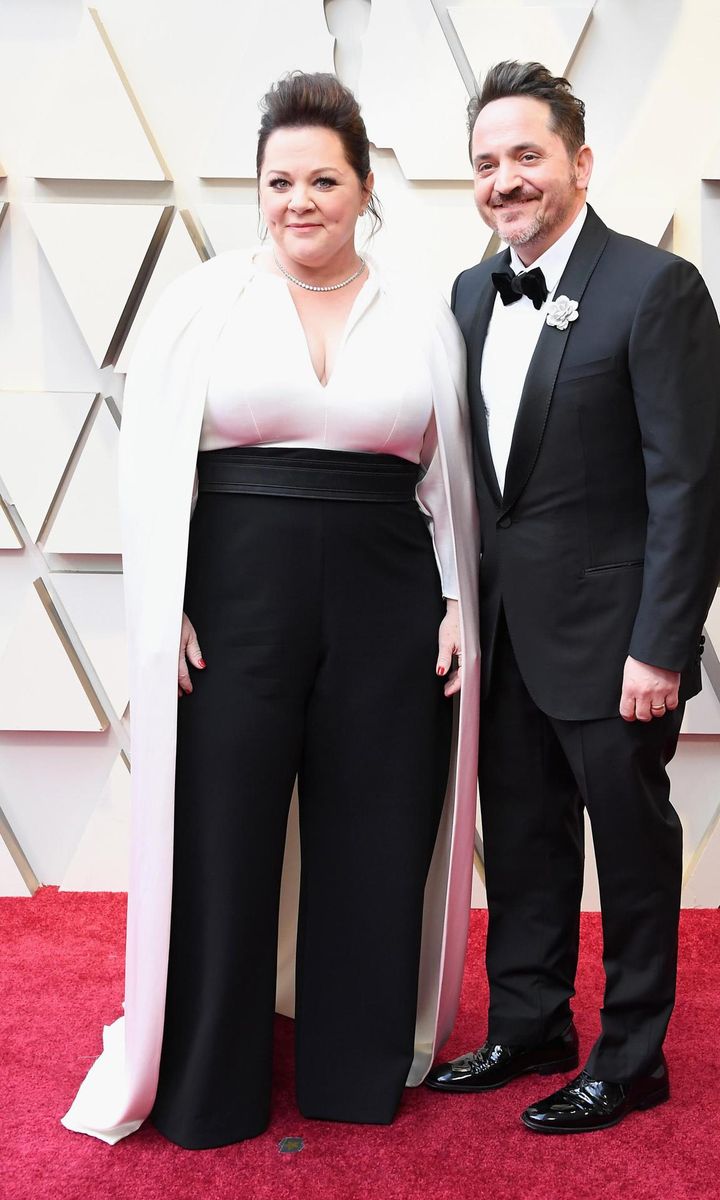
x=483 y=168
x=529 y=157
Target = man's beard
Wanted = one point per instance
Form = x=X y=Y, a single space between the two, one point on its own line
x=540 y=223
x=523 y=236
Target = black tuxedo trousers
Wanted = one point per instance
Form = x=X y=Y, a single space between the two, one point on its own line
x=318 y=620
x=537 y=775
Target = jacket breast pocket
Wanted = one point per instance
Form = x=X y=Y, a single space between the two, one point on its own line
x=604 y=568
x=595 y=366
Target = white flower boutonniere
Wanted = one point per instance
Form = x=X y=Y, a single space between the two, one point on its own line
x=561 y=312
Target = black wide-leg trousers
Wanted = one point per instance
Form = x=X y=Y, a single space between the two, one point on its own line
x=537 y=774
x=318 y=621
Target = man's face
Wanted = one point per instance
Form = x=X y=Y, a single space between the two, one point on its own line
x=527 y=187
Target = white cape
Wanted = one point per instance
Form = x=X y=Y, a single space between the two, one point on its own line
x=161 y=421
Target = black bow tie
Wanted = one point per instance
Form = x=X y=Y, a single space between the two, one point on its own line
x=526 y=283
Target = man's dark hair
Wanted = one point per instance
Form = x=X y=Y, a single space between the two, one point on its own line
x=567 y=113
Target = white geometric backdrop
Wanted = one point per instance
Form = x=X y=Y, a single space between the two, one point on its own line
x=127 y=146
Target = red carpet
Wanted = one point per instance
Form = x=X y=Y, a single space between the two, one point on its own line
x=61 y=973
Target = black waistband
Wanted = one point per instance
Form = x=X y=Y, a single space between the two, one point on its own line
x=316 y=474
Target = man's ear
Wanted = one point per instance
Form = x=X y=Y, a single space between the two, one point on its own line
x=583 y=166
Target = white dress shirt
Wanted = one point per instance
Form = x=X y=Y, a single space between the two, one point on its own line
x=510 y=343
x=263 y=389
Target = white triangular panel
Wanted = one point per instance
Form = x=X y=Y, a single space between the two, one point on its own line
x=702 y=888
x=11 y=881
x=94 y=603
x=478 y=897
x=96 y=252
x=412 y=95
x=41 y=347
x=702 y=714
x=31 y=467
x=694 y=773
x=591 y=885
x=278 y=37
x=87 y=127
x=39 y=687
x=546 y=33
x=712 y=624
x=712 y=168
x=87 y=521
x=452 y=235
x=178 y=255
x=230 y=226
x=635 y=215
x=9 y=537
x=101 y=861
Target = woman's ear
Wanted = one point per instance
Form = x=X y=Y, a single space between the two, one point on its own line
x=367 y=191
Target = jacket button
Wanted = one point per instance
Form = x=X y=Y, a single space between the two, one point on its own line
x=505 y=522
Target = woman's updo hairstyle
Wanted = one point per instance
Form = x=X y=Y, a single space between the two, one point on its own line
x=298 y=100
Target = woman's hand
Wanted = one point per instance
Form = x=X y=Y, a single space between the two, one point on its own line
x=189 y=652
x=449 y=645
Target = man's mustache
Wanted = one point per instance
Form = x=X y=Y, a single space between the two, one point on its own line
x=499 y=198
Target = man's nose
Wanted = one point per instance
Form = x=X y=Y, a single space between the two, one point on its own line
x=507 y=178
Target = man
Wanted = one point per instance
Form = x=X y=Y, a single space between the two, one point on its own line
x=594 y=377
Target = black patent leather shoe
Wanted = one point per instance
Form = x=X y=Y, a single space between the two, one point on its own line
x=493 y=1066
x=585 y=1104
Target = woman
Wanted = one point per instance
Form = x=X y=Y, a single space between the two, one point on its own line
x=317 y=393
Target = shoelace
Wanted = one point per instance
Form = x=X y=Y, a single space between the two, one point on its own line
x=583 y=1095
x=483 y=1058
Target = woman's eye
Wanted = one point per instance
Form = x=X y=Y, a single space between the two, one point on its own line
x=325 y=181
x=278 y=184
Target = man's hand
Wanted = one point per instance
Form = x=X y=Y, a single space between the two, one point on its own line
x=647 y=691
x=449 y=645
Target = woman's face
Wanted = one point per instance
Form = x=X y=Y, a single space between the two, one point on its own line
x=310 y=196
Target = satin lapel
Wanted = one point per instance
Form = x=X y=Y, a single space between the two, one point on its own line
x=545 y=363
x=478 y=333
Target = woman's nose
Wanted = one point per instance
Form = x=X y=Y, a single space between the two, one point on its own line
x=300 y=199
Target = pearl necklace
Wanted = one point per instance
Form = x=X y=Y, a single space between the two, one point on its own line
x=315 y=287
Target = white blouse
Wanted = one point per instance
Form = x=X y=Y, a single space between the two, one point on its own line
x=263 y=389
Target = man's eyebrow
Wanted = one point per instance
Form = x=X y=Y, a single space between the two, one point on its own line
x=519 y=149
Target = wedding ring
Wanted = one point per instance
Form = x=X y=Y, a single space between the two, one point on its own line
x=657 y=707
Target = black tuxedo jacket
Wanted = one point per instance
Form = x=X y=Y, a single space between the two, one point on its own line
x=606 y=540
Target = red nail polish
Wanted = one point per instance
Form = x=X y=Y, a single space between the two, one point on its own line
x=201 y=662
x=441 y=670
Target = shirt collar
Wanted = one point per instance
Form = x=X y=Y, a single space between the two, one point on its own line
x=555 y=259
